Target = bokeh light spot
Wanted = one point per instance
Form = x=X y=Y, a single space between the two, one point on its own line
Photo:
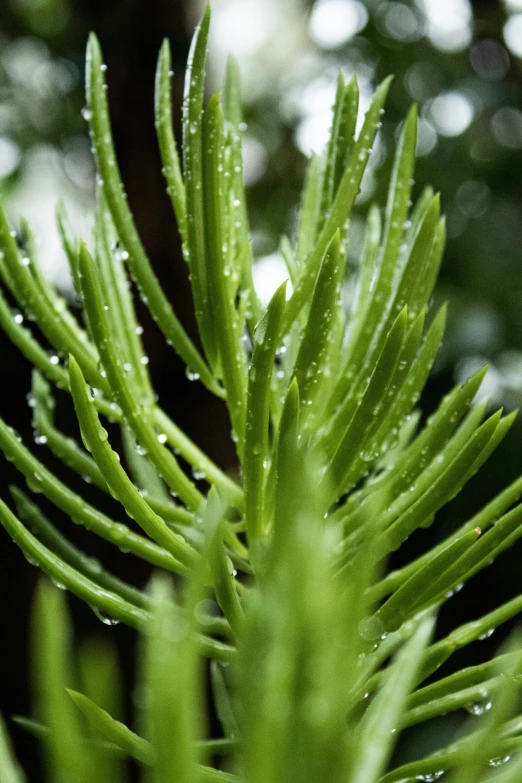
x=401 y=22
x=9 y=157
x=426 y=137
x=473 y=198
x=255 y=159
x=449 y=23
x=244 y=26
x=489 y=59
x=333 y=22
x=513 y=34
x=452 y=113
x=269 y=273
x=507 y=127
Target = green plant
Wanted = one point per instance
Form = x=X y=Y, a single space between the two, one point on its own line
x=318 y=657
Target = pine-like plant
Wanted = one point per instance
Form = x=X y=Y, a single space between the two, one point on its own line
x=282 y=624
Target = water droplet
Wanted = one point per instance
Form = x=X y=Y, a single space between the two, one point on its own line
x=497 y=762
x=371 y=628
x=104 y=617
x=162 y=438
x=86 y=113
x=103 y=67
x=139 y=330
x=34 y=483
x=54 y=359
x=144 y=360
x=481 y=706
x=198 y=474
x=191 y=375
x=18 y=318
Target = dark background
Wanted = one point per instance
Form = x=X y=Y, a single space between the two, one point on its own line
x=480 y=181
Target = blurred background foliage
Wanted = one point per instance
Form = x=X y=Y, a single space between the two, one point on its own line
x=461 y=62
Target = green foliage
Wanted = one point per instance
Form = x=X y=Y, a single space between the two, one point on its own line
x=317 y=655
